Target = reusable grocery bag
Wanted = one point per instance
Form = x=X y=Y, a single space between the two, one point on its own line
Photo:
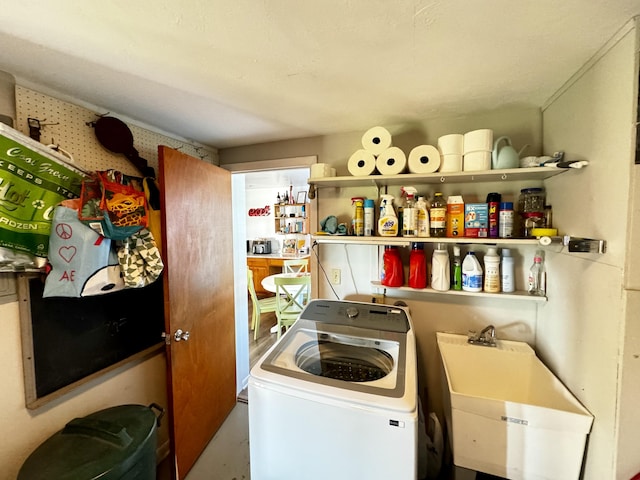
x=139 y=259
x=33 y=180
x=82 y=262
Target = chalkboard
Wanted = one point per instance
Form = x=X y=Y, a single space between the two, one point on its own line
x=73 y=338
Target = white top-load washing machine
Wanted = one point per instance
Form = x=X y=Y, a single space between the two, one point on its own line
x=336 y=397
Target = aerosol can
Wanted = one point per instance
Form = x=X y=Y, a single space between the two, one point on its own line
x=358 y=216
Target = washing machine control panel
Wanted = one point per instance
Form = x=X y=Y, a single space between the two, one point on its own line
x=373 y=316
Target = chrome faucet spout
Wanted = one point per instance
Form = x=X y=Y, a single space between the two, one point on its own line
x=486 y=337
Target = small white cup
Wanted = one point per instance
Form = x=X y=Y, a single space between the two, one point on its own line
x=451 y=144
x=478 y=140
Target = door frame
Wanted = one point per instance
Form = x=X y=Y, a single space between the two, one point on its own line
x=240 y=254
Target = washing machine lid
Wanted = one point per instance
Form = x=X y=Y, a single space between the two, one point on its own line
x=332 y=344
x=371 y=316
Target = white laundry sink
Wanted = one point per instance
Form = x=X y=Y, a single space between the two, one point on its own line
x=507 y=414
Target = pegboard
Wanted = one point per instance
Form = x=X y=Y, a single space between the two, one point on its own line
x=68 y=126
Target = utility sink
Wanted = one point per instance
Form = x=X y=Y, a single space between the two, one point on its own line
x=507 y=414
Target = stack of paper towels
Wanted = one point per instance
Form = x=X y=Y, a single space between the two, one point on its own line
x=379 y=155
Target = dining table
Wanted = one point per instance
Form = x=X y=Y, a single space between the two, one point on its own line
x=269 y=284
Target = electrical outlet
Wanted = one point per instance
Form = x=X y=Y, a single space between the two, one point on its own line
x=335 y=276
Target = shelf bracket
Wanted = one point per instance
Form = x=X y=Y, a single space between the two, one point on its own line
x=584 y=245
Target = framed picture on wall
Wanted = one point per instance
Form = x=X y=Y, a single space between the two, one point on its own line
x=301 y=197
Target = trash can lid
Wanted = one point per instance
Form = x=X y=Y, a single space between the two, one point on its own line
x=102 y=445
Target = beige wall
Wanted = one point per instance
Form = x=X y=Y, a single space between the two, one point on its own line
x=585 y=339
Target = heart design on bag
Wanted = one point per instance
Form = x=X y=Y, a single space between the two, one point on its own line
x=67 y=253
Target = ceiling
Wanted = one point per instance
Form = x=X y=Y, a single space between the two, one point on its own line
x=227 y=73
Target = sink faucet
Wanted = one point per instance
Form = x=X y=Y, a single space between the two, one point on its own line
x=486 y=337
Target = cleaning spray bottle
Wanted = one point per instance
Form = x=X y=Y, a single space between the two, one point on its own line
x=358 y=216
x=409 y=212
x=388 y=222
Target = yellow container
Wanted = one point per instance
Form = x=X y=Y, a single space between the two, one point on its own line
x=455 y=216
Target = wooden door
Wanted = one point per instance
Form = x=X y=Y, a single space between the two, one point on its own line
x=198 y=289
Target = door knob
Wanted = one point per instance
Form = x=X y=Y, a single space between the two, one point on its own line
x=180 y=335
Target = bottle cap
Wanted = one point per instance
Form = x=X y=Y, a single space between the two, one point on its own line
x=369 y=203
x=506 y=205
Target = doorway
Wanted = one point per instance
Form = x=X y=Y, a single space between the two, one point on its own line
x=275 y=175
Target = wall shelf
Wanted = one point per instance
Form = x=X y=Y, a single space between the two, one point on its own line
x=518 y=295
x=407 y=241
x=510 y=175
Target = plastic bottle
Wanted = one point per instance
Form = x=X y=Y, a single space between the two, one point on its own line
x=537 y=276
x=423 y=217
x=506 y=272
x=492 y=271
x=358 y=216
x=505 y=220
x=409 y=212
x=417 y=266
x=388 y=222
x=369 y=217
x=456 y=283
x=393 y=275
x=440 y=276
x=471 y=273
x=438 y=216
x=493 y=200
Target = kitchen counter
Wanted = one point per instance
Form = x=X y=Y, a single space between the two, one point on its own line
x=264 y=264
x=278 y=256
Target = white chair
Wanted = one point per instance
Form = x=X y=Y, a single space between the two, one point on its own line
x=298 y=265
x=260 y=306
x=292 y=294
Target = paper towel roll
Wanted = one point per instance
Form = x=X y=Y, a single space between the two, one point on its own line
x=391 y=162
x=423 y=159
x=376 y=140
x=361 y=163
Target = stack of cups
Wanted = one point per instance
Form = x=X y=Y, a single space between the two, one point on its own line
x=477 y=150
x=451 y=150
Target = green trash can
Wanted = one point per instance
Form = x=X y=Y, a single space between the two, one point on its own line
x=115 y=443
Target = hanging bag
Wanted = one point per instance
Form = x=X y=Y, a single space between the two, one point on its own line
x=123 y=204
x=82 y=262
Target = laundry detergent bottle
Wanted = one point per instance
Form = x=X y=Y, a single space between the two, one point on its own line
x=471 y=273
x=417 y=266
x=440 y=274
x=393 y=271
x=388 y=222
